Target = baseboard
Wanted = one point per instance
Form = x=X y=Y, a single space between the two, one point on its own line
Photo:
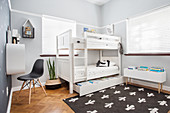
x=19 y=87
x=9 y=101
x=154 y=85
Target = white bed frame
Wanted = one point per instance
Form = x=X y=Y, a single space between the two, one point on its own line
x=66 y=65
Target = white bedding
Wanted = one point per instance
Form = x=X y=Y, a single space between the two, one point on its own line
x=94 y=72
x=101 y=41
x=95 y=43
x=94 y=40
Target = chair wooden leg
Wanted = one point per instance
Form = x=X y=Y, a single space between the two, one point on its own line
x=21 y=89
x=30 y=93
x=42 y=87
x=34 y=85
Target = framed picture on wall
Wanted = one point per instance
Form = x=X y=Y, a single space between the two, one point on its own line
x=28 y=30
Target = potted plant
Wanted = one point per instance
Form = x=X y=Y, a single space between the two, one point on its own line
x=51 y=69
x=53 y=82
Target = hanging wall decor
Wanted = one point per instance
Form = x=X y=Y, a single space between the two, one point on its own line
x=28 y=30
x=110 y=29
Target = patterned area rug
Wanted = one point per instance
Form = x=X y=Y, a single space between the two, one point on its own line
x=121 y=99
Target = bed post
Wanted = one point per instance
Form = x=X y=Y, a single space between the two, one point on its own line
x=120 y=59
x=86 y=55
x=71 y=53
x=100 y=54
x=57 y=55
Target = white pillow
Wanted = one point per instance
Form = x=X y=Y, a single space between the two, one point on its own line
x=112 y=63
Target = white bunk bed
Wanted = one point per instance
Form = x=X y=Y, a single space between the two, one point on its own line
x=68 y=71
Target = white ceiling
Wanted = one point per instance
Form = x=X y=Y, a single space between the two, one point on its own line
x=98 y=2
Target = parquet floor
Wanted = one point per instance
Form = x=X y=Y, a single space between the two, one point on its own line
x=53 y=103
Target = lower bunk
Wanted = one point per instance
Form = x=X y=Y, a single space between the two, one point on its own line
x=98 y=77
x=93 y=72
x=90 y=86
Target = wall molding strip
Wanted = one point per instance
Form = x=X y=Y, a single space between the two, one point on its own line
x=63 y=19
x=26 y=13
x=53 y=17
x=9 y=3
x=149 y=11
x=58 y=18
x=146 y=12
x=10 y=101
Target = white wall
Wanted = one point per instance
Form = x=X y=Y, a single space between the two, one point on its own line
x=78 y=10
x=32 y=46
x=118 y=10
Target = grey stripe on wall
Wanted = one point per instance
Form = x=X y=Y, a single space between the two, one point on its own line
x=5 y=81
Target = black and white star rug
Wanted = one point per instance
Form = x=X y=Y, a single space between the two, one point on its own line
x=121 y=99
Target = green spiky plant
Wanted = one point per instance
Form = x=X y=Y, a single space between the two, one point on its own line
x=51 y=69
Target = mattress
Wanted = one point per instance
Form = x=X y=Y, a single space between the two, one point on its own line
x=94 y=40
x=94 y=72
x=95 y=43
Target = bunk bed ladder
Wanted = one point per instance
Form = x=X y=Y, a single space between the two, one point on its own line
x=71 y=62
x=86 y=56
x=120 y=59
x=57 y=56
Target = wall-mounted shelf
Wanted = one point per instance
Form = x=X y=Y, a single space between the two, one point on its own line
x=28 y=30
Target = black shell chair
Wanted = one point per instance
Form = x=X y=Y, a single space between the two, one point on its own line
x=33 y=76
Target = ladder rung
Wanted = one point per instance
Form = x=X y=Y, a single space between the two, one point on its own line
x=80 y=57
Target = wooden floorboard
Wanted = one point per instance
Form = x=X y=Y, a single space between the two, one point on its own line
x=53 y=103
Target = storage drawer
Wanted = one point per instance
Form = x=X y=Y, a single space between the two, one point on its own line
x=85 y=89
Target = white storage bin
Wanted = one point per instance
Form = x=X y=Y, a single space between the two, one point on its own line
x=158 y=77
x=83 y=90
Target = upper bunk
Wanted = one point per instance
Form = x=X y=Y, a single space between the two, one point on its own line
x=90 y=41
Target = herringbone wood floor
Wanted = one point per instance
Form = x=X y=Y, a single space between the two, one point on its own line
x=53 y=103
